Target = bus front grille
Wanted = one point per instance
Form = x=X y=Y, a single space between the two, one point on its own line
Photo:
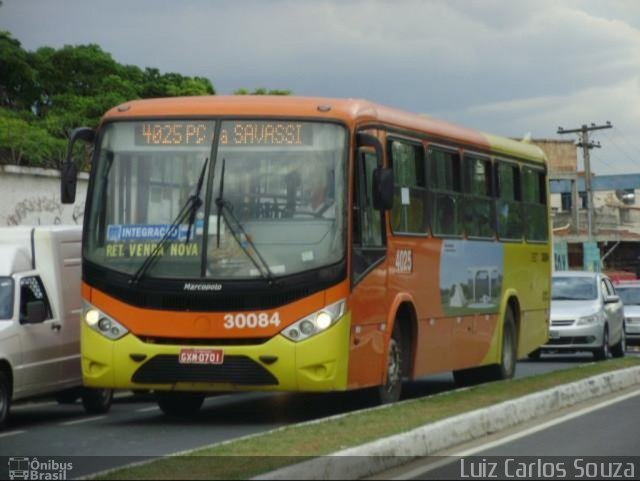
x=238 y=370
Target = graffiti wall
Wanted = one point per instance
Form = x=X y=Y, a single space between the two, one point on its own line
x=32 y=197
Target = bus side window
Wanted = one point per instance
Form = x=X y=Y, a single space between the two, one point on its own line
x=535 y=205
x=371 y=218
x=409 y=213
x=510 y=225
x=445 y=189
x=479 y=207
x=368 y=236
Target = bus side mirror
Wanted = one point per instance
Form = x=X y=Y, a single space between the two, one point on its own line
x=69 y=171
x=383 y=189
x=68 y=182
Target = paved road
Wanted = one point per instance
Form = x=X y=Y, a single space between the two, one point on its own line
x=136 y=427
x=594 y=438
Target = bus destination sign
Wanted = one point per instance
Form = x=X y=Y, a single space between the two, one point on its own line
x=232 y=134
x=174 y=134
x=265 y=134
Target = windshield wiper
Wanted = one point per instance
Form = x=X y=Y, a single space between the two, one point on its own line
x=197 y=201
x=225 y=208
x=190 y=208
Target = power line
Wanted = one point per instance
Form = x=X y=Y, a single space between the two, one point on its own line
x=614 y=167
x=630 y=158
x=624 y=137
x=586 y=147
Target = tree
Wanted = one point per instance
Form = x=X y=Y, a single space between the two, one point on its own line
x=21 y=141
x=45 y=94
x=173 y=85
x=262 y=91
x=17 y=76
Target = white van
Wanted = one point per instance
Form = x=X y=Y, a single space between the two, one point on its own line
x=40 y=308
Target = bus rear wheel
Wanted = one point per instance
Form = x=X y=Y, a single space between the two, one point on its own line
x=496 y=372
x=507 y=367
x=179 y=404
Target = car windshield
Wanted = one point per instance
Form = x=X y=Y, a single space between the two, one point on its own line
x=630 y=295
x=225 y=200
x=6 y=298
x=567 y=288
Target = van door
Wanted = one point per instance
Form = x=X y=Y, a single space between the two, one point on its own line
x=40 y=367
x=70 y=312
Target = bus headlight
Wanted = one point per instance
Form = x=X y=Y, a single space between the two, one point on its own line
x=315 y=323
x=103 y=324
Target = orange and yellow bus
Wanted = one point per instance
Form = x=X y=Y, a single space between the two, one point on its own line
x=305 y=244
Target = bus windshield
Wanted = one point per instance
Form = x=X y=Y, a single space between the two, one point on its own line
x=274 y=203
x=6 y=298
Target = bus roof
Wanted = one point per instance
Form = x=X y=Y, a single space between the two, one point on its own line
x=351 y=111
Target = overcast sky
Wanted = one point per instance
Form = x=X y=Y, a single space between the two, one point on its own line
x=502 y=66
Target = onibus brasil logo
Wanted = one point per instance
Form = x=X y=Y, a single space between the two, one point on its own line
x=28 y=468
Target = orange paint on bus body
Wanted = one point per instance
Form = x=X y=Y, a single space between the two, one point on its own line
x=405 y=286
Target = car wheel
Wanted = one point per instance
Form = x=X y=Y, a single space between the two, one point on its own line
x=179 y=404
x=97 y=401
x=5 y=399
x=602 y=353
x=620 y=349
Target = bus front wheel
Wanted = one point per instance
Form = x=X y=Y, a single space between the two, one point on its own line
x=97 y=400
x=390 y=391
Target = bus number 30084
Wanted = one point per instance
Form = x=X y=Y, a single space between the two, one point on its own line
x=252 y=320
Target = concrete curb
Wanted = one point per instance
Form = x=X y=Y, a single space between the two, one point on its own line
x=387 y=453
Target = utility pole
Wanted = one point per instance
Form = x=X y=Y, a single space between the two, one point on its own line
x=586 y=147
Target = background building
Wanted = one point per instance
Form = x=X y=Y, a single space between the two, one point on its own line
x=616 y=212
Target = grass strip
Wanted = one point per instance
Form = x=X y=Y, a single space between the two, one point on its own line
x=262 y=453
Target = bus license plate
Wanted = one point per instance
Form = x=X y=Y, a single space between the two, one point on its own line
x=201 y=356
x=554 y=334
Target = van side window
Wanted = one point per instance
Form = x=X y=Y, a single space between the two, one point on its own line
x=6 y=298
x=31 y=289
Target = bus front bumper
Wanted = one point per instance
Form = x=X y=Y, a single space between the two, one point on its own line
x=317 y=364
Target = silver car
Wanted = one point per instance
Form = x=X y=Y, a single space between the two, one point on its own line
x=630 y=294
x=586 y=315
